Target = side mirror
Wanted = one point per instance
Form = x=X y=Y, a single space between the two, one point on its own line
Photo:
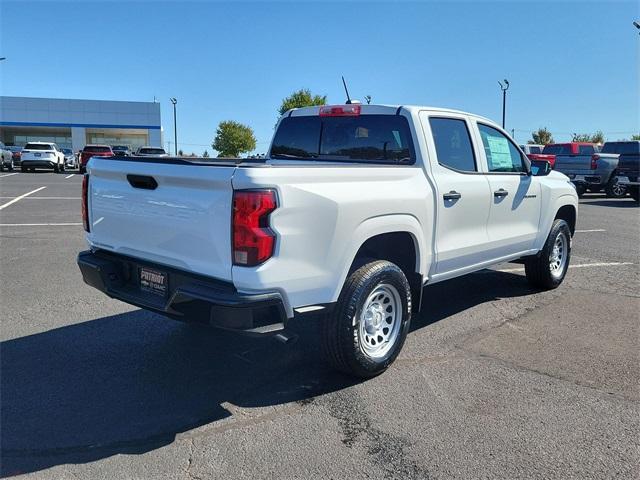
x=540 y=168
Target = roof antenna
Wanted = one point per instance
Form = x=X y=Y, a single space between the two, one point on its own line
x=346 y=91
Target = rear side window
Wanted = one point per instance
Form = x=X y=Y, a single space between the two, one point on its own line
x=502 y=155
x=38 y=146
x=586 y=150
x=362 y=138
x=453 y=144
x=97 y=149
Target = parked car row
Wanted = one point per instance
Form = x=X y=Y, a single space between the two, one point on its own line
x=612 y=168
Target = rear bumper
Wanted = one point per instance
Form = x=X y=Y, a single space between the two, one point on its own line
x=189 y=298
x=586 y=179
x=38 y=163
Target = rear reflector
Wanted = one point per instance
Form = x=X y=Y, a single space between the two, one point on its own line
x=594 y=161
x=253 y=240
x=85 y=202
x=340 y=110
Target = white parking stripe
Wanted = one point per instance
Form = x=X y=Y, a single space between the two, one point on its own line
x=21 y=197
x=69 y=176
x=583 y=265
x=38 y=224
x=589 y=231
x=9 y=174
x=45 y=198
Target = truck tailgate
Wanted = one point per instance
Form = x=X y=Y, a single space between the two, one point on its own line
x=573 y=163
x=183 y=222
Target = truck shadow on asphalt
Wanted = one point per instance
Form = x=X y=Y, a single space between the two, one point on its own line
x=129 y=383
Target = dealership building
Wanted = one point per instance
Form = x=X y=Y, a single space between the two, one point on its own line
x=75 y=123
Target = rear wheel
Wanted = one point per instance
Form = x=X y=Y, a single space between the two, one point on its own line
x=62 y=166
x=548 y=269
x=614 y=189
x=580 y=189
x=368 y=327
x=634 y=192
x=23 y=169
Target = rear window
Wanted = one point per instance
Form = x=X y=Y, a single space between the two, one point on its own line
x=557 y=149
x=97 y=149
x=362 y=138
x=153 y=151
x=624 y=148
x=38 y=146
x=535 y=150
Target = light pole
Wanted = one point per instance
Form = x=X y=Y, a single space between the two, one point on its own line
x=175 y=126
x=504 y=89
x=635 y=24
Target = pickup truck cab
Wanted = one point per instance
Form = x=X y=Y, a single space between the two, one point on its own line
x=353 y=212
x=584 y=164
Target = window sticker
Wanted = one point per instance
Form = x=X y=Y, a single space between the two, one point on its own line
x=500 y=156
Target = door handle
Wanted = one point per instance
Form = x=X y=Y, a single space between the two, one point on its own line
x=500 y=193
x=452 y=195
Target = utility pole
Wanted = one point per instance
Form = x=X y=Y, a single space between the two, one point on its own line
x=504 y=89
x=175 y=126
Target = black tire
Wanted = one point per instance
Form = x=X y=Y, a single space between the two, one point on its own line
x=1 y=165
x=56 y=168
x=634 y=190
x=23 y=169
x=538 y=268
x=81 y=170
x=580 y=189
x=614 y=189
x=62 y=168
x=11 y=166
x=341 y=333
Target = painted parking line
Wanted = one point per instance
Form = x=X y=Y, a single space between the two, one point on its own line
x=39 y=224
x=44 y=198
x=582 y=265
x=21 y=197
x=9 y=174
x=69 y=176
x=590 y=231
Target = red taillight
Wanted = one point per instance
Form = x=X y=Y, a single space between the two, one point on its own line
x=85 y=202
x=594 y=161
x=253 y=240
x=340 y=110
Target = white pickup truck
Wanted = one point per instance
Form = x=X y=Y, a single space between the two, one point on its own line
x=354 y=210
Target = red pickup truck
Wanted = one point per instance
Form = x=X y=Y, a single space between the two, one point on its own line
x=550 y=152
x=93 y=151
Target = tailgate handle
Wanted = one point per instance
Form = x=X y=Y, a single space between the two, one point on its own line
x=142 y=181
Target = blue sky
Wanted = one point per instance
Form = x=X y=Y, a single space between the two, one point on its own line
x=573 y=66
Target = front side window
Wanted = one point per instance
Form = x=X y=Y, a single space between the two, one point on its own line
x=453 y=144
x=362 y=138
x=502 y=155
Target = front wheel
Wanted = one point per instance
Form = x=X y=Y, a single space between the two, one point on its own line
x=548 y=269
x=368 y=327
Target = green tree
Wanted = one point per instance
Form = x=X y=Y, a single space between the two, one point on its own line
x=205 y=154
x=301 y=98
x=597 y=137
x=180 y=153
x=542 y=136
x=233 y=138
x=635 y=137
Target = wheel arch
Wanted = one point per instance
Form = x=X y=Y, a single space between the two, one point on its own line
x=395 y=238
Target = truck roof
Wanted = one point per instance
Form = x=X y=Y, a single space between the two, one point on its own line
x=381 y=109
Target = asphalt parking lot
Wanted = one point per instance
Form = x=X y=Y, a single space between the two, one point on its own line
x=495 y=381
